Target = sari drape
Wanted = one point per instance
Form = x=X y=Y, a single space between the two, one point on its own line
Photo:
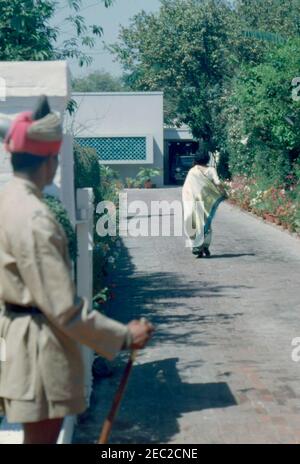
x=201 y=198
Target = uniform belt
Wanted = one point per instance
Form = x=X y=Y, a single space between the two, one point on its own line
x=22 y=309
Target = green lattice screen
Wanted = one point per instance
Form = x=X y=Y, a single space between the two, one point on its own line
x=117 y=148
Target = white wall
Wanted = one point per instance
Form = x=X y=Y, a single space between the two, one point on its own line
x=123 y=113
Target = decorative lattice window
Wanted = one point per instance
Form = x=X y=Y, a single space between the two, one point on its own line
x=117 y=148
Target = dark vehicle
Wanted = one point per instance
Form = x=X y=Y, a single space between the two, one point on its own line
x=181 y=167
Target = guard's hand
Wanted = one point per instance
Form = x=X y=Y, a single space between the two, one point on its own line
x=141 y=332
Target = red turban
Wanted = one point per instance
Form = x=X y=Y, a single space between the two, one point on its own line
x=41 y=138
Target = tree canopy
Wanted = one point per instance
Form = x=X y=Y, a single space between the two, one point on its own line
x=189 y=50
x=194 y=49
x=26 y=32
x=98 y=81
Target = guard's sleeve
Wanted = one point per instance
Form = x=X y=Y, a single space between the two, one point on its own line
x=47 y=276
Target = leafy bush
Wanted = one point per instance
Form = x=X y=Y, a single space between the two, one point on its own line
x=61 y=215
x=130 y=182
x=110 y=185
x=106 y=250
x=86 y=167
x=261 y=136
x=146 y=175
x=263 y=124
x=106 y=186
x=276 y=204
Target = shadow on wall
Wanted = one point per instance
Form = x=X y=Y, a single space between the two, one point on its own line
x=156 y=397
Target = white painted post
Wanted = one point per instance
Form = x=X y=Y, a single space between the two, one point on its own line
x=64 y=186
x=82 y=218
x=84 y=214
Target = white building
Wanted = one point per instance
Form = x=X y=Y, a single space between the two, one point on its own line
x=127 y=131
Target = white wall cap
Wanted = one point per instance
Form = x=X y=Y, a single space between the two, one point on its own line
x=125 y=94
x=181 y=133
x=33 y=78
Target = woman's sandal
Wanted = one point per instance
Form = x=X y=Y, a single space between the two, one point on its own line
x=206 y=252
x=198 y=252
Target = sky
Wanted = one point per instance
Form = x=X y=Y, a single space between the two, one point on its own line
x=110 y=19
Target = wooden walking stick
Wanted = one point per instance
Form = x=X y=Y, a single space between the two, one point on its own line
x=107 y=426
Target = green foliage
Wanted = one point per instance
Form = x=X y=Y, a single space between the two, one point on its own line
x=130 y=182
x=226 y=69
x=145 y=175
x=263 y=120
x=265 y=36
x=184 y=50
x=89 y=173
x=61 y=216
x=106 y=186
x=193 y=50
x=270 y=16
x=72 y=106
x=102 y=296
x=86 y=167
x=275 y=204
x=98 y=81
x=105 y=250
x=110 y=185
x=27 y=33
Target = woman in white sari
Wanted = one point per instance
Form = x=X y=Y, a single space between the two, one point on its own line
x=201 y=195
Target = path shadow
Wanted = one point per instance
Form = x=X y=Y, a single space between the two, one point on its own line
x=156 y=396
x=155 y=399
x=167 y=301
x=231 y=255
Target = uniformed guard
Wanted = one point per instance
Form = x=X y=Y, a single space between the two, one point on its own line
x=42 y=320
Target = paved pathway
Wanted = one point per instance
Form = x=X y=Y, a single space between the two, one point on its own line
x=219 y=369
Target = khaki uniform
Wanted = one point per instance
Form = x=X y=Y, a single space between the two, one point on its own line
x=42 y=376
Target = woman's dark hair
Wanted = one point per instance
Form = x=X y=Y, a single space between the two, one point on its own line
x=202 y=155
x=25 y=162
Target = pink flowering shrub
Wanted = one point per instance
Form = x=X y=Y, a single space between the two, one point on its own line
x=278 y=204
